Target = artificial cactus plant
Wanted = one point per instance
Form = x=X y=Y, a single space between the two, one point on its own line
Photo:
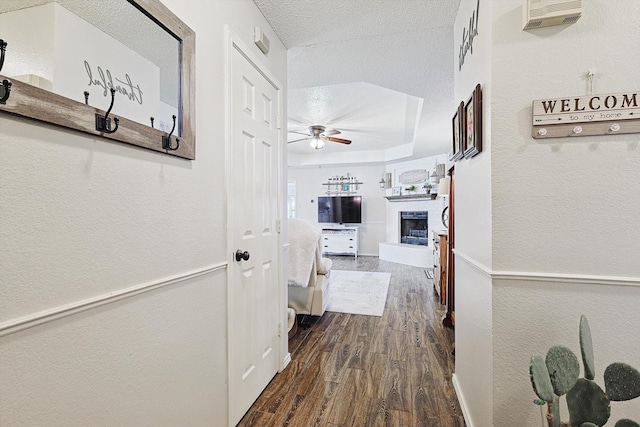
x=589 y=405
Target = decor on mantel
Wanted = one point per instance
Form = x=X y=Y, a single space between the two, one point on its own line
x=385 y=181
x=342 y=184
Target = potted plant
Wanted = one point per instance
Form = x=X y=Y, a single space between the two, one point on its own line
x=589 y=405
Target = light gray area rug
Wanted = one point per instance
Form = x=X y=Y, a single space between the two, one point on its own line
x=358 y=292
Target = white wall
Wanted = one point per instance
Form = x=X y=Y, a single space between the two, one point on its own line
x=83 y=218
x=473 y=228
x=309 y=187
x=565 y=232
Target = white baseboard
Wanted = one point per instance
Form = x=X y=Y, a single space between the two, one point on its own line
x=285 y=362
x=462 y=401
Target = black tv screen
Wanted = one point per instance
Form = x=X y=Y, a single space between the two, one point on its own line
x=340 y=209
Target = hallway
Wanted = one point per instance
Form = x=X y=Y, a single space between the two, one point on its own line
x=353 y=370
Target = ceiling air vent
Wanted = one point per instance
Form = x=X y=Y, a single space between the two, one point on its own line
x=545 y=13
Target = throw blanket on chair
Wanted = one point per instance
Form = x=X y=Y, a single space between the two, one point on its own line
x=304 y=251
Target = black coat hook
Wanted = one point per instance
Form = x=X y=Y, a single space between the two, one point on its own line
x=3 y=47
x=5 y=91
x=166 y=140
x=103 y=123
x=86 y=97
x=152 y=119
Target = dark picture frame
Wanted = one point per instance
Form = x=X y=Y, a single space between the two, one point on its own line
x=457 y=133
x=472 y=141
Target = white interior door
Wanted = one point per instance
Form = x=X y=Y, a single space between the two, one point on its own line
x=254 y=310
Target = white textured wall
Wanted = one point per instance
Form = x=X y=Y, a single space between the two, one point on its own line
x=473 y=228
x=563 y=206
x=81 y=217
x=309 y=187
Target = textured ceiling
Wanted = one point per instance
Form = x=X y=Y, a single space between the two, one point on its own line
x=402 y=45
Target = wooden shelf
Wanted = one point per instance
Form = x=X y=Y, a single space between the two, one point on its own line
x=409 y=197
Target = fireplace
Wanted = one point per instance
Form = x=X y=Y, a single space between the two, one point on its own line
x=414 y=226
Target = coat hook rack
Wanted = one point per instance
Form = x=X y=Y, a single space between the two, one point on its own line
x=86 y=97
x=3 y=47
x=152 y=119
x=5 y=91
x=103 y=123
x=166 y=140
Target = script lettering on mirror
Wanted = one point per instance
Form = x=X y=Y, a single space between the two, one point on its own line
x=106 y=82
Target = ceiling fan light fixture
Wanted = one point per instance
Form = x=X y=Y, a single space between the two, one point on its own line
x=317 y=143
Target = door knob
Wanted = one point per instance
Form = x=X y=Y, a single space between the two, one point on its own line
x=240 y=255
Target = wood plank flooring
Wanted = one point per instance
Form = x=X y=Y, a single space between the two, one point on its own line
x=353 y=370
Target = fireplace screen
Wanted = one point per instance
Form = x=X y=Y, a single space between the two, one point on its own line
x=413 y=227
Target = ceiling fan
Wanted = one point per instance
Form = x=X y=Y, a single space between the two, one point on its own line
x=317 y=136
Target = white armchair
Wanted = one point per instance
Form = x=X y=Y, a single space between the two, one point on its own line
x=308 y=273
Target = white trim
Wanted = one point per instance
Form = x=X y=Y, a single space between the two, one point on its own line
x=461 y=401
x=472 y=262
x=583 y=279
x=285 y=362
x=46 y=316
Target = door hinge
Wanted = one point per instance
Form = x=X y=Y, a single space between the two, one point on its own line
x=279 y=329
x=278 y=226
x=279 y=122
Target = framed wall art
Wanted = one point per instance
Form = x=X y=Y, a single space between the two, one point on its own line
x=472 y=141
x=457 y=133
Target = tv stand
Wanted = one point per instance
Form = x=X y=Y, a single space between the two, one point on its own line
x=340 y=240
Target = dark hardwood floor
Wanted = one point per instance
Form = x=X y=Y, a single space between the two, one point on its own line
x=354 y=370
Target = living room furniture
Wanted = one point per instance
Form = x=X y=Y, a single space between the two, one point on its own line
x=308 y=273
x=440 y=263
x=340 y=240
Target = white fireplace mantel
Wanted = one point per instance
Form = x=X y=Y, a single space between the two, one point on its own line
x=406 y=197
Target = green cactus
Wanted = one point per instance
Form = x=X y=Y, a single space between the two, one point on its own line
x=586 y=348
x=540 y=378
x=555 y=421
x=622 y=382
x=563 y=367
x=588 y=404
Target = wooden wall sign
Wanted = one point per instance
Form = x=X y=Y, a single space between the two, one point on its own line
x=587 y=115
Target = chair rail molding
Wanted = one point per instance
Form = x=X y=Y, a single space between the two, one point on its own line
x=585 y=279
x=16 y=325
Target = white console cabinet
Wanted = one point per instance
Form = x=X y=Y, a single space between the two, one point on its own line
x=340 y=240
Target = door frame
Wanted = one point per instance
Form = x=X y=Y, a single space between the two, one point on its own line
x=233 y=41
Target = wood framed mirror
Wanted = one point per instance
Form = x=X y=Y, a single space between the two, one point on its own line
x=141 y=50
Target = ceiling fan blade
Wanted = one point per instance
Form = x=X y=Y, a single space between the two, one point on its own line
x=331 y=132
x=340 y=140
x=298 y=140
x=301 y=133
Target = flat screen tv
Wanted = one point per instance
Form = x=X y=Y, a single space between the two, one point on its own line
x=340 y=209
